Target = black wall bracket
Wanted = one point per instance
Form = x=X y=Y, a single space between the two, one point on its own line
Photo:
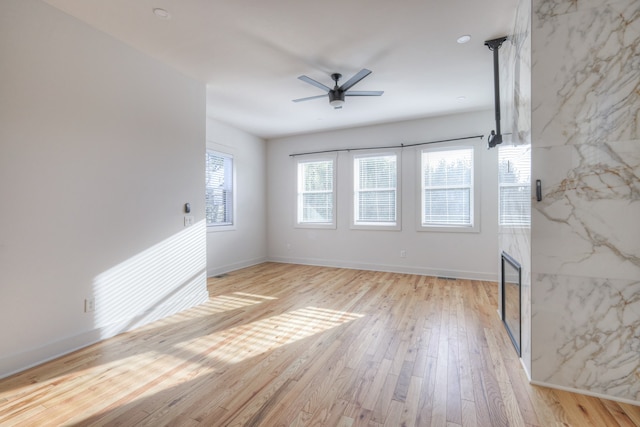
x=495 y=137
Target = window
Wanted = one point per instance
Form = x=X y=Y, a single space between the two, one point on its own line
x=514 y=186
x=447 y=189
x=219 y=189
x=316 y=193
x=375 y=192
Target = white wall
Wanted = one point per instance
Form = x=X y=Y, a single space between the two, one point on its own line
x=462 y=255
x=245 y=243
x=100 y=147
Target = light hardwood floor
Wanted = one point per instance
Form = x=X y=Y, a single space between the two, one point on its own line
x=290 y=345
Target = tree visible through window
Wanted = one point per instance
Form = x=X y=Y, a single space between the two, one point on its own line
x=219 y=189
x=375 y=189
x=447 y=187
x=316 y=197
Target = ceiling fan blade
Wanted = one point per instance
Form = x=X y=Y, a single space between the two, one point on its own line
x=314 y=83
x=364 y=93
x=355 y=79
x=308 y=98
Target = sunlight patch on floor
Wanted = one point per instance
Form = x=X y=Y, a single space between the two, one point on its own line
x=237 y=344
x=222 y=303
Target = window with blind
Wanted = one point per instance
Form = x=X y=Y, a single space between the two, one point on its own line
x=375 y=190
x=316 y=193
x=514 y=186
x=219 y=189
x=447 y=188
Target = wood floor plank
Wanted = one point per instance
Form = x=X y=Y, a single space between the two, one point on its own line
x=282 y=344
x=510 y=403
x=381 y=410
x=631 y=412
x=404 y=379
x=371 y=394
x=412 y=402
x=469 y=418
x=394 y=415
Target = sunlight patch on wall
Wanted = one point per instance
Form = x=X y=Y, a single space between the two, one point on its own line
x=162 y=280
x=237 y=344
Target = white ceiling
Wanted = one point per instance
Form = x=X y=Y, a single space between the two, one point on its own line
x=250 y=53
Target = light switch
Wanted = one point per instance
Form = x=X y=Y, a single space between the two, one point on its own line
x=188 y=220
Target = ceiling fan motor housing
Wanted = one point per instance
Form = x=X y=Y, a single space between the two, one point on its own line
x=336 y=95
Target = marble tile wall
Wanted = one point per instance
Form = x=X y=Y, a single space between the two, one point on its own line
x=515 y=96
x=585 y=239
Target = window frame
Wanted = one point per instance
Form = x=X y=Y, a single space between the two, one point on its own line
x=372 y=225
x=525 y=185
x=474 y=205
x=298 y=185
x=229 y=225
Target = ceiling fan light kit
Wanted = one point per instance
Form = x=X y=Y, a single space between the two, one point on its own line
x=338 y=93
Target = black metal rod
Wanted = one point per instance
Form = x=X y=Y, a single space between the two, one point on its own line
x=496 y=86
x=389 y=146
x=494 y=45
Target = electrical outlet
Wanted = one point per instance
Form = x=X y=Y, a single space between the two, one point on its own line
x=403 y=253
x=89 y=305
x=188 y=220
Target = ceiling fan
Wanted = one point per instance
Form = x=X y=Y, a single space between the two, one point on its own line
x=337 y=94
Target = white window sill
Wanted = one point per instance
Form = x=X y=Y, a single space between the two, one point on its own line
x=216 y=228
x=450 y=228
x=376 y=226
x=315 y=225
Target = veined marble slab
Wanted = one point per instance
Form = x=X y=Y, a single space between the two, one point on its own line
x=588 y=223
x=587 y=66
x=587 y=334
x=515 y=84
x=585 y=289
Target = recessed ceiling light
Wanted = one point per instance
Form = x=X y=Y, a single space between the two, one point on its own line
x=464 y=39
x=161 y=13
x=461 y=98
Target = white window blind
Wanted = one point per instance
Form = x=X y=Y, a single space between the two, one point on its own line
x=219 y=189
x=447 y=187
x=375 y=189
x=514 y=185
x=316 y=192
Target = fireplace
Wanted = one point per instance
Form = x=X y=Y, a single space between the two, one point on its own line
x=511 y=298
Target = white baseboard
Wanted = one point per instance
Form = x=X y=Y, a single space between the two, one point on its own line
x=19 y=362
x=423 y=271
x=215 y=271
x=585 y=392
x=526 y=371
x=15 y=363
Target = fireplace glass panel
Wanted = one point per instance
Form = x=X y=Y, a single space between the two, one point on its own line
x=511 y=281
